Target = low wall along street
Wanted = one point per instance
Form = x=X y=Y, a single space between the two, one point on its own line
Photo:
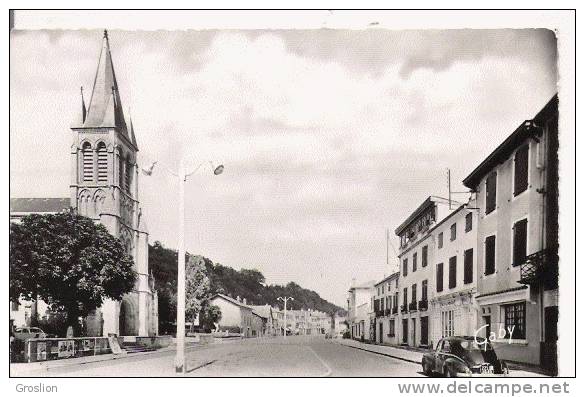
x=46 y=349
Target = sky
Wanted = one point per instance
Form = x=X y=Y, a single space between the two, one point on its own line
x=328 y=136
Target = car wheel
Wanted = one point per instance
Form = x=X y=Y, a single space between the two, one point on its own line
x=446 y=372
x=426 y=369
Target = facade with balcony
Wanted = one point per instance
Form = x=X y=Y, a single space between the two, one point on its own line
x=416 y=271
x=454 y=279
x=385 y=304
x=517 y=262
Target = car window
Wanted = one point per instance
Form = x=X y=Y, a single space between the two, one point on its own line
x=439 y=345
x=446 y=347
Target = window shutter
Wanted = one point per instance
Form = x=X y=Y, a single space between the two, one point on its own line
x=490 y=192
x=520 y=241
x=468 y=266
x=521 y=170
x=453 y=272
x=439 y=277
x=490 y=255
x=425 y=255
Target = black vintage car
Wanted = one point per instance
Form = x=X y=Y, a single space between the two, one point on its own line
x=463 y=356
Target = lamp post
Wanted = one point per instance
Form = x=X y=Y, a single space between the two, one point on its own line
x=284 y=300
x=182 y=177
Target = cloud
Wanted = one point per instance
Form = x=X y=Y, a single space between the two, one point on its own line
x=328 y=136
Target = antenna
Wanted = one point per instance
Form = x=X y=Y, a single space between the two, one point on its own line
x=449 y=187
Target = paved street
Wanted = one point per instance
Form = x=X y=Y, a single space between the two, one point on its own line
x=297 y=356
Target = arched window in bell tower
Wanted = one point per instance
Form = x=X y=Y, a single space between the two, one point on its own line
x=87 y=153
x=121 y=165
x=102 y=162
x=128 y=175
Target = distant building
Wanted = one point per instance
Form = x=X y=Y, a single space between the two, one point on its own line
x=359 y=307
x=517 y=258
x=237 y=317
x=386 y=309
x=270 y=322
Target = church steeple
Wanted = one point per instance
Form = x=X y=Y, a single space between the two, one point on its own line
x=105 y=106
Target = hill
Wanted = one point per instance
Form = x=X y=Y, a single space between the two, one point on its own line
x=245 y=283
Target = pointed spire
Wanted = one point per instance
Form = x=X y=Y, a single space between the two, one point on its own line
x=83 y=109
x=131 y=132
x=105 y=106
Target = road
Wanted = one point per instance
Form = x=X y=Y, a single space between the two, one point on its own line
x=310 y=356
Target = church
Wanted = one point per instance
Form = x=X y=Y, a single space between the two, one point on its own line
x=104 y=187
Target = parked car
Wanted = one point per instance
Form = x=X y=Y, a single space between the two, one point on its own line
x=463 y=356
x=26 y=333
x=327 y=335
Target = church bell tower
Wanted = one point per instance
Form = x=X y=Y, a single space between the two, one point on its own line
x=104 y=187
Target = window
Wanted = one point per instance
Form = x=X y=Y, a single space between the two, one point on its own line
x=453 y=272
x=520 y=230
x=453 y=232
x=468 y=266
x=490 y=255
x=447 y=324
x=414 y=260
x=392 y=329
x=424 y=292
x=440 y=240
x=468 y=222
x=521 y=170
x=405 y=297
x=425 y=256
x=405 y=267
x=128 y=176
x=87 y=154
x=439 y=277
x=413 y=298
x=514 y=320
x=121 y=166
x=102 y=162
x=490 y=192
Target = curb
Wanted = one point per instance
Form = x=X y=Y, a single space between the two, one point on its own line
x=380 y=353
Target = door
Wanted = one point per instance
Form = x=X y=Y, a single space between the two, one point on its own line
x=413 y=336
x=381 y=332
x=443 y=352
x=424 y=331
x=548 y=351
x=405 y=331
x=487 y=320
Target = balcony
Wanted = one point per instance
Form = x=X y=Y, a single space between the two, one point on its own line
x=404 y=308
x=395 y=310
x=379 y=312
x=423 y=305
x=412 y=306
x=542 y=267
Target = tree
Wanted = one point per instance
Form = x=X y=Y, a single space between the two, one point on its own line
x=210 y=314
x=196 y=286
x=69 y=262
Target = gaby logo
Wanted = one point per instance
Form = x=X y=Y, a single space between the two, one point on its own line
x=493 y=336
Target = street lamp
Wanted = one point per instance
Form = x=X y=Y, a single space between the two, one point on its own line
x=182 y=176
x=284 y=300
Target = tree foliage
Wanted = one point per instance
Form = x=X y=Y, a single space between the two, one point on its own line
x=210 y=315
x=196 y=286
x=68 y=261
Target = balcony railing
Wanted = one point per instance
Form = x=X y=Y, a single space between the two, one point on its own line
x=423 y=304
x=412 y=306
x=542 y=267
x=404 y=308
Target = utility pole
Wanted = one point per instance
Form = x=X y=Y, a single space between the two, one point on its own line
x=180 y=356
x=284 y=300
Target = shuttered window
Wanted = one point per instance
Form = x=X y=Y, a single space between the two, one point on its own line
x=468 y=266
x=102 y=163
x=468 y=222
x=425 y=256
x=490 y=192
x=439 y=277
x=424 y=291
x=453 y=272
x=413 y=298
x=490 y=255
x=87 y=163
x=453 y=232
x=521 y=170
x=440 y=240
x=414 y=261
x=405 y=267
x=128 y=176
x=405 y=297
x=520 y=230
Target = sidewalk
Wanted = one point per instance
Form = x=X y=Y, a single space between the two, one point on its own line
x=516 y=369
